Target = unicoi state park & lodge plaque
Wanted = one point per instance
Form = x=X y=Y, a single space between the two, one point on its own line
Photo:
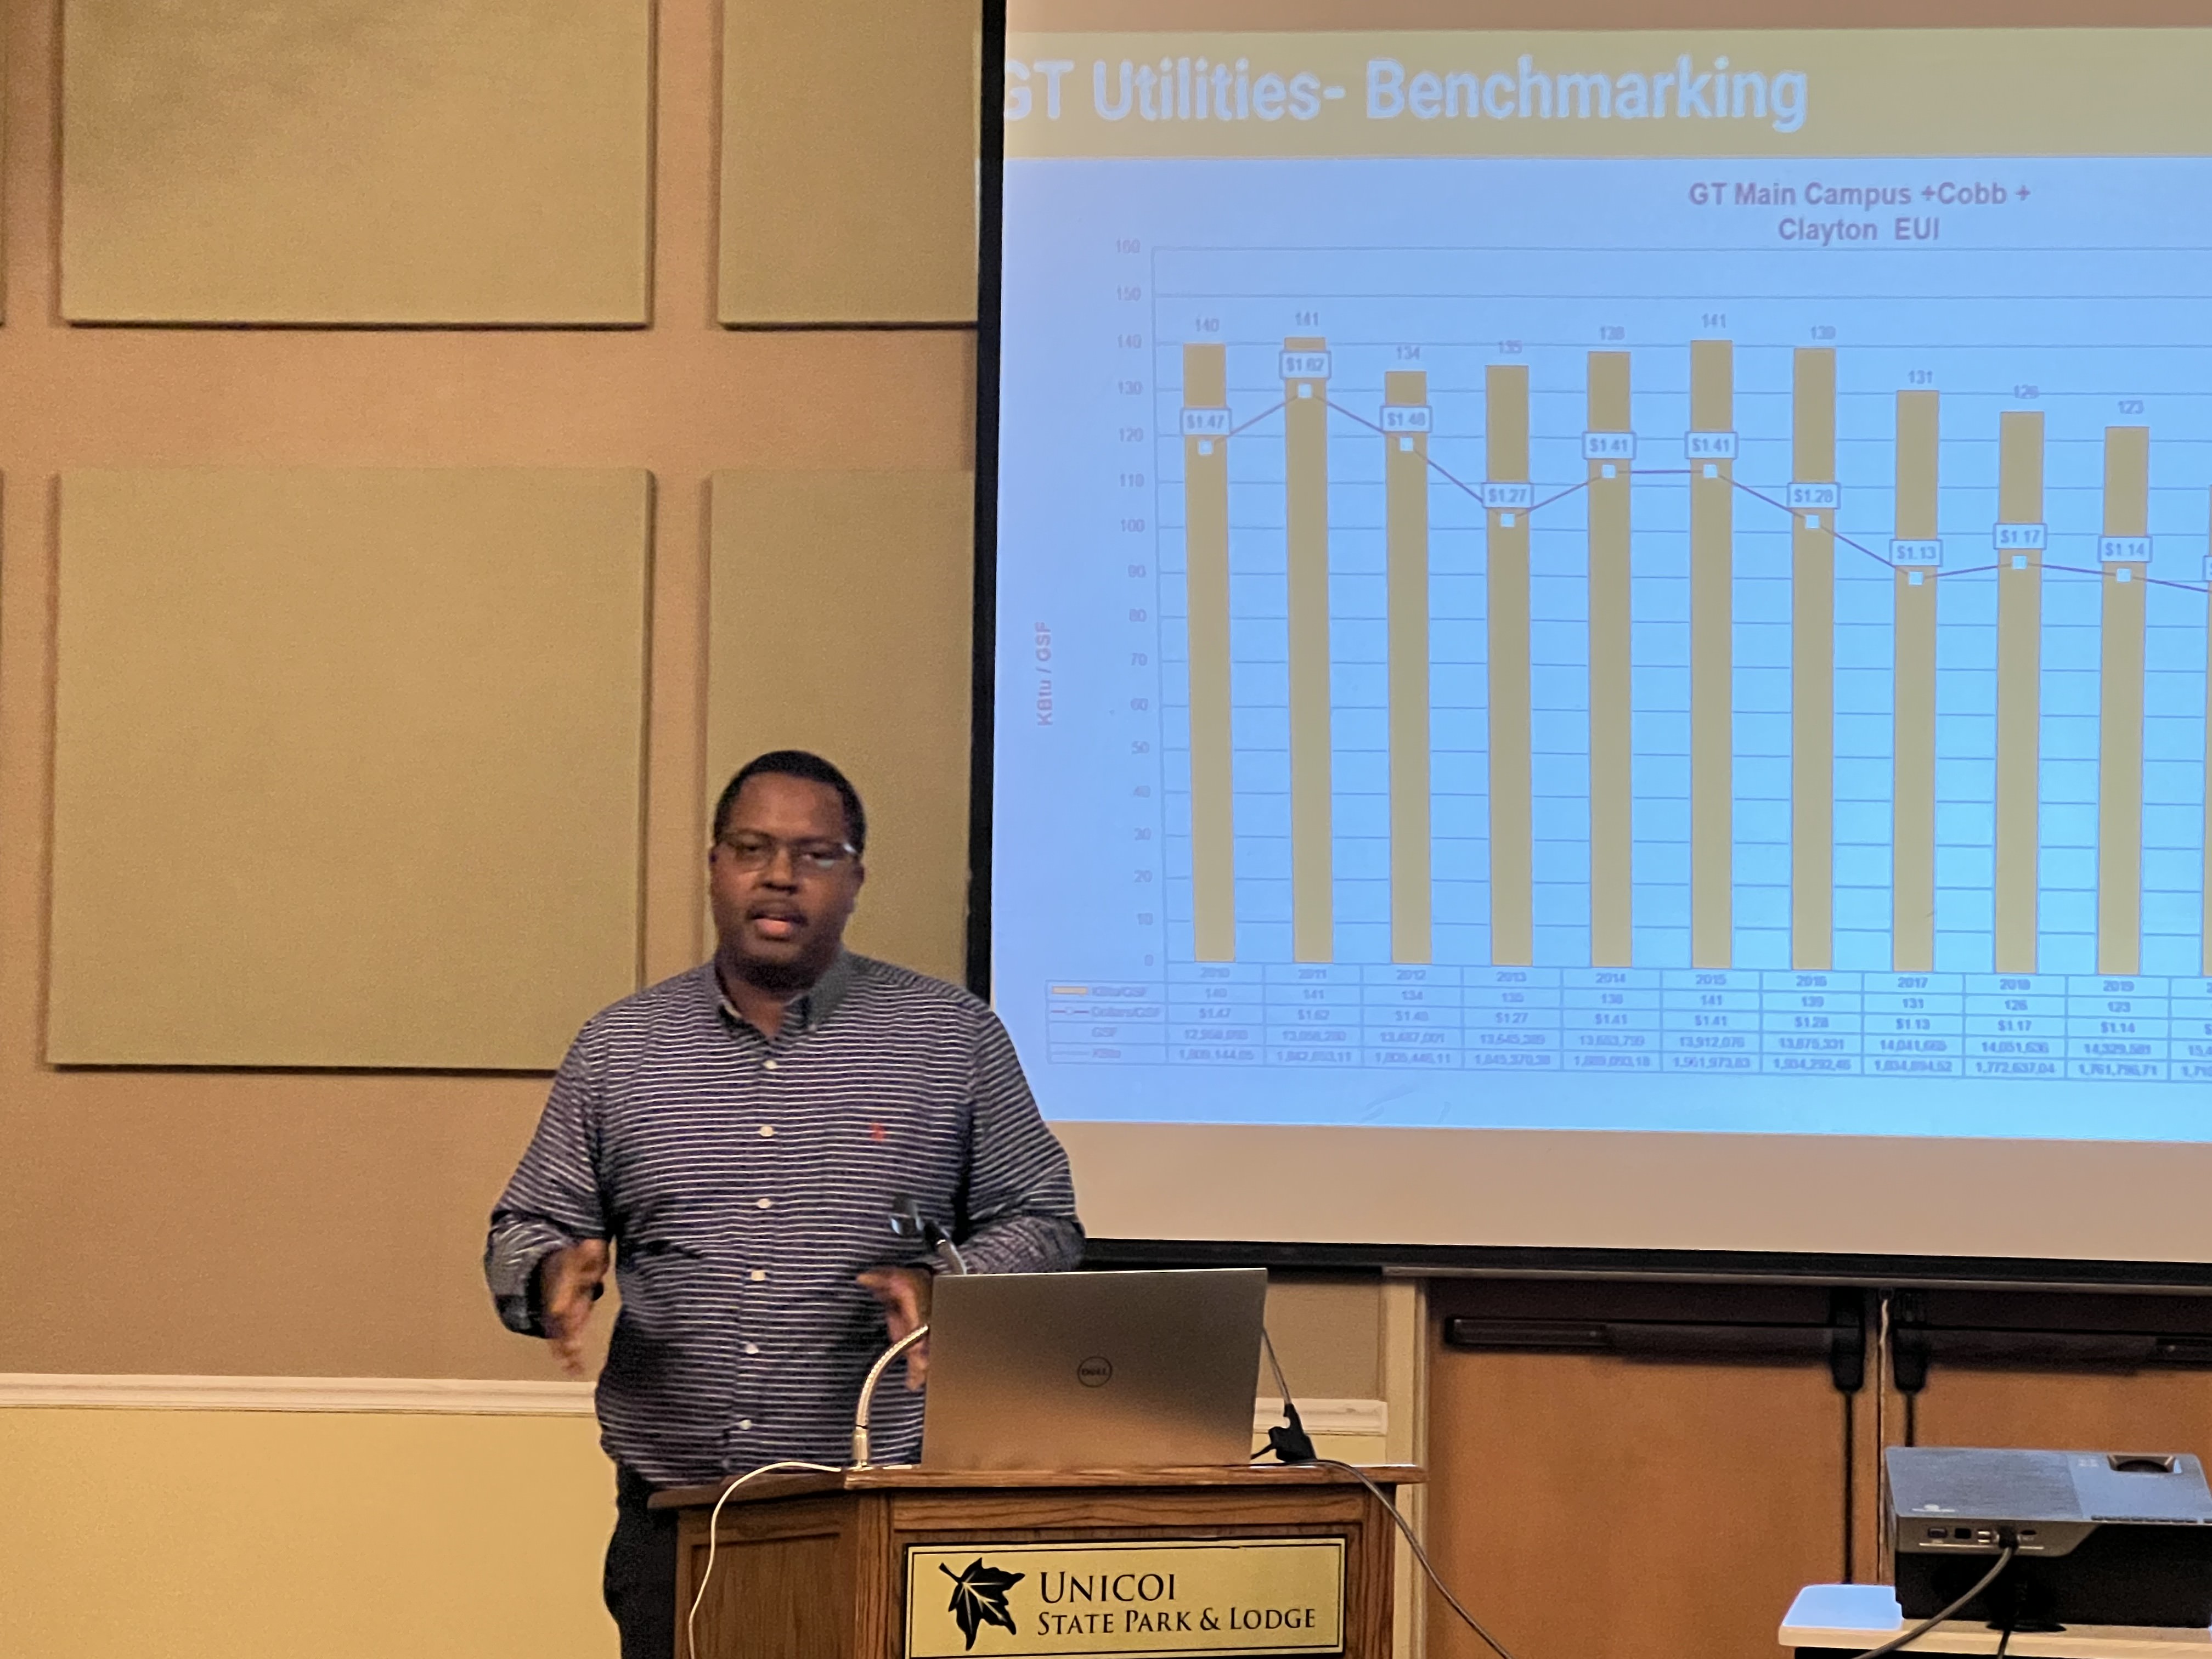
x=1156 y=1597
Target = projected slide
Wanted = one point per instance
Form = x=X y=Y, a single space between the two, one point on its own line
x=1618 y=637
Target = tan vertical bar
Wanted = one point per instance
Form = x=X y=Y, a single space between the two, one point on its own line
x=1713 y=662
x=1405 y=503
x=2019 y=692
x=1913 y=829
x=1305 y=456
x=1205 y=560
x=1512 y=873
x=2120 y=706
x=1812 y=665
x=1611 y=791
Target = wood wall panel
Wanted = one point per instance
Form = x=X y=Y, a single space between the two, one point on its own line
x=840 y=605
x=1615 y=1509
x=1328 y=1335
x=2066 y=1410
x=356 y=162
x=2040 y=1392
x=348 y=764
x=849 y=162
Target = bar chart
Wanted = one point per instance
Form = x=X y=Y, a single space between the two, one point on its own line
x=1553 y=680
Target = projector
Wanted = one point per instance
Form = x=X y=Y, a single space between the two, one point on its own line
x=2105 y=1538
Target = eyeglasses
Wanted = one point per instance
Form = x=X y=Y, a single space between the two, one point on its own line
x=751 y=852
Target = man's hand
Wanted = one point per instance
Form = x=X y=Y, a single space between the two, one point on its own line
x=904 y=1293
x=569 y=1284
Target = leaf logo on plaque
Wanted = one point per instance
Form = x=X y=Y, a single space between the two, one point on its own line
x=1115 y=1601
x=979 y=1597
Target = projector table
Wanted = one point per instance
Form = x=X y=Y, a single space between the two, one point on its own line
x=1849 y=1619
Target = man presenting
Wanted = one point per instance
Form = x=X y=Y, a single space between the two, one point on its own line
x=736 y=1137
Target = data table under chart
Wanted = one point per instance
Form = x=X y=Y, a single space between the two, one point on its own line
x=1630 y=1019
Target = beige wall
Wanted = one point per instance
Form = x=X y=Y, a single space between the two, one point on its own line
x=283 y=1223
x=326 y=1223
x=231 y=1535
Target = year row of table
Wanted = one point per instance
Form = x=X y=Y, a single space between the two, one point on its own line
x=1221 y=1049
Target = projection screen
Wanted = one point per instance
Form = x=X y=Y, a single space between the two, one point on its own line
x=1599 y=635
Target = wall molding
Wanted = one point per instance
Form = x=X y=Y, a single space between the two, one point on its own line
x=1326 y=1416
x=457 y=1397
x=433 y=1397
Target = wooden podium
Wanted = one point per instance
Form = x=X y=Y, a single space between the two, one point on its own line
x=915 y=1563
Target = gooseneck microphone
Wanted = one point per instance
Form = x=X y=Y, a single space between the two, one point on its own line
x=910 y=1224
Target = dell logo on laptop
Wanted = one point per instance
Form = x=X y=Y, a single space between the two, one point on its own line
x=1095 y=1372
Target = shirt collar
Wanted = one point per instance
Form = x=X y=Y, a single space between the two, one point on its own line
x=809 y=1009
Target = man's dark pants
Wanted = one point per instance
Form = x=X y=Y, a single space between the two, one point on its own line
x=640 y=1585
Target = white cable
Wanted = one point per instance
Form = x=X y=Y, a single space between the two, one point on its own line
x=1267 y=1347
x=692 y=1617
x=1885 y=1562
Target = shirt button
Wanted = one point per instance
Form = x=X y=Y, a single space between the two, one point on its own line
x=764 y=1203
x=758 y=1275
x=768 y=1066
x=752 y=1347
x=767 y=1131
x=744 y=1422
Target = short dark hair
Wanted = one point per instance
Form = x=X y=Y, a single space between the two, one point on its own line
x=798 y=763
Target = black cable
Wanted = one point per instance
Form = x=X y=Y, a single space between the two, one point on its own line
x=1281 y=1446
x=2012 y=1608
x=2004 y=1560
x=1406 y=1527
x=1288 y=1439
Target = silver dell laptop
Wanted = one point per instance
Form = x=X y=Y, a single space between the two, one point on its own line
x=1093 y=1370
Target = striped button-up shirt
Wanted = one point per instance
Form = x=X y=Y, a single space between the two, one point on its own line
x=745 y=1180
